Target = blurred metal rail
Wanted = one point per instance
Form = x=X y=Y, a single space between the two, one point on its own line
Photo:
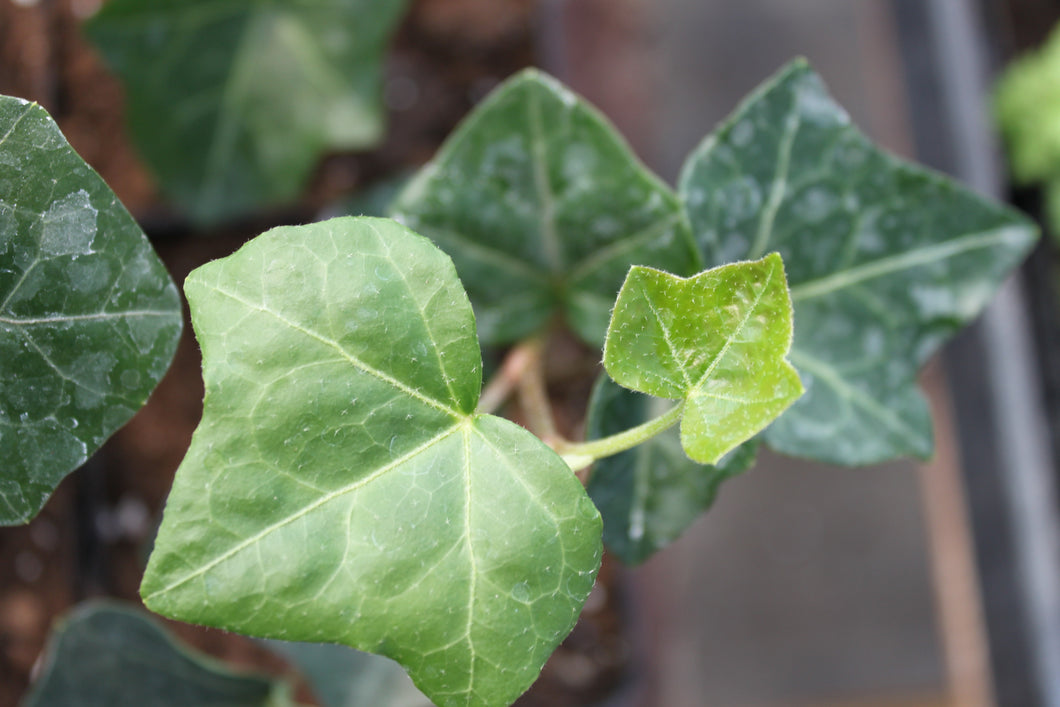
x=994 y=379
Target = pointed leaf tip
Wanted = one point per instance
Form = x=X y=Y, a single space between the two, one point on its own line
x=885 y=259
x=522 y=196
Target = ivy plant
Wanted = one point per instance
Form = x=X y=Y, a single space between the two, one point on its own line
x=231 y=104
x=350 y=481
x=89 y=318
x=1027 y=109
x=105 y=654
x=109 y=654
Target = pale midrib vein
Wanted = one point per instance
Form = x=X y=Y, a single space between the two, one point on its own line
x=484 y=252
x=224 y=134
x=666 y=337
x=55 y=367
x=642 y=486
x=903 y=261
x=26 y=111
x=356 y=362
x=531 y=493
x=472 y=562
x=831 y=377
x=622 y=246
x=302 y=512
x=14 y=512
x=778 y=189
x=18 y=285
x=58 y=319
x=736 y=332
x=447 y=379
x=549 y=236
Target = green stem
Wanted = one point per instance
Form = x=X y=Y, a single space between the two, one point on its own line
x=581 y=454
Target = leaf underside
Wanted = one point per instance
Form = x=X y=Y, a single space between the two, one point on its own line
x=885 y=261
x=231 y=104
x=544 y=208
x=341 y=487
x=107 y=655
x=89 y=318
x=649 y=495
x=717 y=341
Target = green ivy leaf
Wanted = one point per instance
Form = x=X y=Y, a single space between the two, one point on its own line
x=343 y=677
x=1027 y=108
x=231 y=104
x=717 y=341
x=543 y=208
x=106 y=655
x=341 y=488
x=89 y=318
x=651 y=494
x=885 y=260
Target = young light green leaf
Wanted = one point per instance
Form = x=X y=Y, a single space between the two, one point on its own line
x=885 y=260
x=543 y=208
x=231 y=104
x=1027 y=108
x=89 y=318
x=717 y=341
x=107 y=655
x=341 y=488
x=651 y=494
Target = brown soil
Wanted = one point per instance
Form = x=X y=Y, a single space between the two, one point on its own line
x=90 y=538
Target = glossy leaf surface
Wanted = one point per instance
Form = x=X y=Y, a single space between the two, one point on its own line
x=651 y=494
x=89 y=318
x=717 y=341
x=107 y=655
x=341 y=488
x=544 y=208
x=232 y=103
x=885 y=261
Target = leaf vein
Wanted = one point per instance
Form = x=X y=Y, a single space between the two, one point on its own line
x=302 y=512
x=549 y=235
x=902 y=261
x=778 y=188
x=736 y=331
x=355 y=361
x=833 y=378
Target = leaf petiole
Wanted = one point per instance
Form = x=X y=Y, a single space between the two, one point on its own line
x=580 y=454
x=514 y=367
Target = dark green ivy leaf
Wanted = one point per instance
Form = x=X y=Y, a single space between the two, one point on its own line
x=885 y=261
x=106 y=655
x=232 y=103
x=544 y=208
x=343 y=677
x=649 y=495
x=89 y=318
